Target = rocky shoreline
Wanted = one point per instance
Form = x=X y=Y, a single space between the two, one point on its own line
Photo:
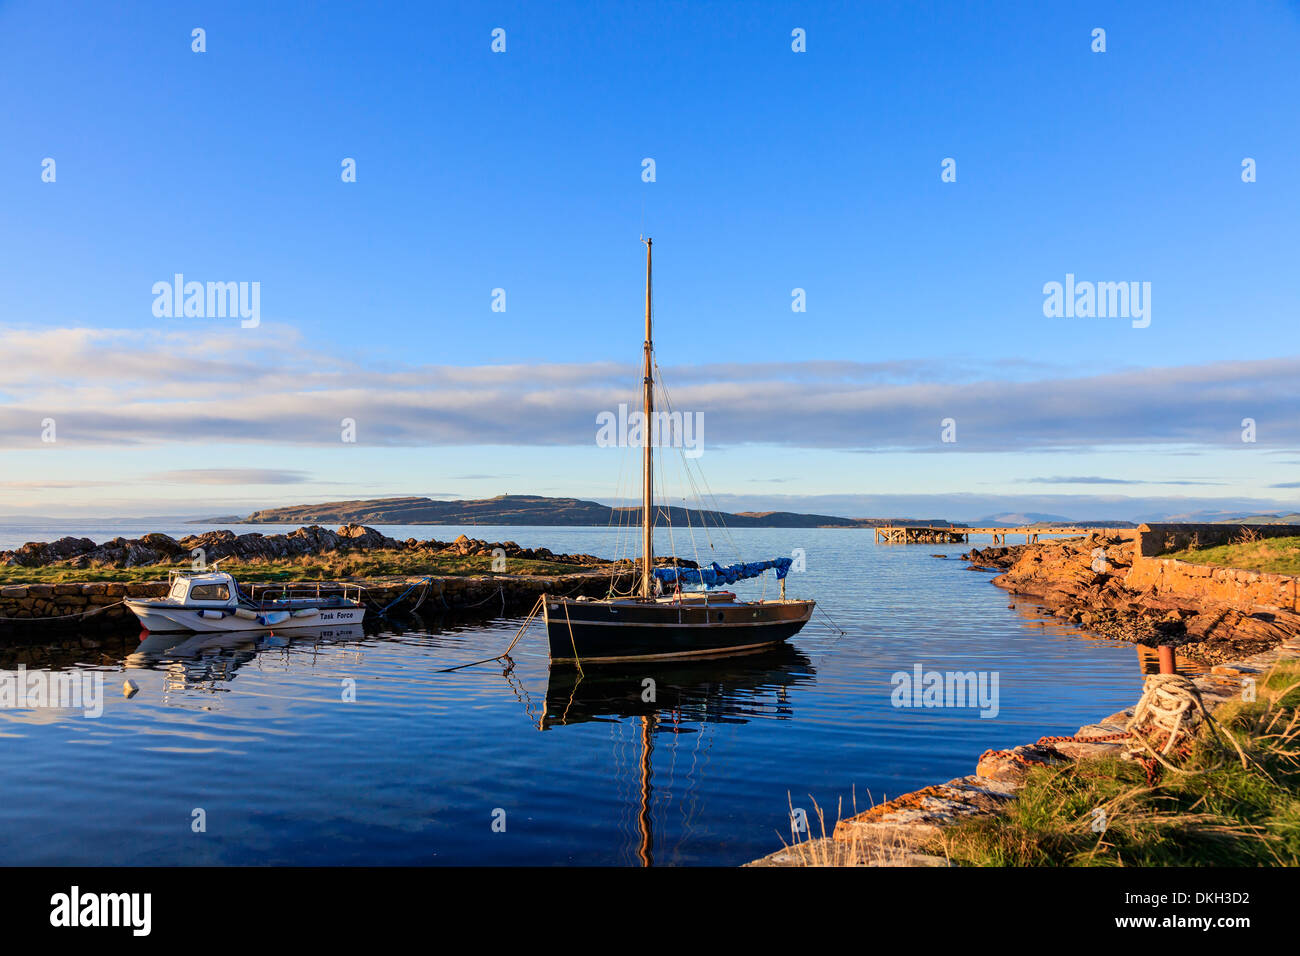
x=312 y=541
x=30 y=608
x=1104 y=585
x=33 y=611
x=1239 y=623
x=905 y=830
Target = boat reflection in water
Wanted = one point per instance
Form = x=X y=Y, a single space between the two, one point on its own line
x=672 y=698
x=208 y=661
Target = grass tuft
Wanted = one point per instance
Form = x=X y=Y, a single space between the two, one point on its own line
x=1273 y=555
x=1220 y=814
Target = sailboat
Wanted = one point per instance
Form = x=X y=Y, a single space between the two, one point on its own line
x=650 y=624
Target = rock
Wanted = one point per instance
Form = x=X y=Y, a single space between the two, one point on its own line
x=1083 y=749
x=1014 y=765
x=916 y=817
x=36 y=554
x=1148 y=603
x=256 y=547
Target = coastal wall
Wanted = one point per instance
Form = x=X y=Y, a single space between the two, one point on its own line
x=1104 y=584
x=1157 y=539
x=27 y=609
x=23 y=604
x=1247 y=591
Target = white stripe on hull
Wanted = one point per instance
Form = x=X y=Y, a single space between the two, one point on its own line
x=164 y=621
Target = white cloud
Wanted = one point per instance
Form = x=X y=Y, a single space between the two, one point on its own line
x=125 y=387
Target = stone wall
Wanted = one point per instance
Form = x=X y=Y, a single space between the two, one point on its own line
x=22 y=604
x=27 y=609
x=1157 y=539
x=1248 y=591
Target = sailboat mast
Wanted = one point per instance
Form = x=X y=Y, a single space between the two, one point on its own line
x=647 y=460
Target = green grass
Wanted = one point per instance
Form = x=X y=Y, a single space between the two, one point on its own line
x=1276 y=555
x=319 y=568
x=1225 y=815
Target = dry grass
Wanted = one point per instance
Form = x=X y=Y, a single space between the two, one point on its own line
x=327 y=567
x=1275 y=555
x=1221 y=813
x=863 y=847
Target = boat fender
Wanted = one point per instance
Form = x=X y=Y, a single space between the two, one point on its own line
x=272 y=617
x=210 y=613
x=305 y=612
x=246 y=614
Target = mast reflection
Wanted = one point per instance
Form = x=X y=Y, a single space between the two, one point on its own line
x=672 y=698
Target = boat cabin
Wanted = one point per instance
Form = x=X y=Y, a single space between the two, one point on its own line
x=203 y=589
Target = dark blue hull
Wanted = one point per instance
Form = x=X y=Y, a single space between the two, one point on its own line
x=648 y=630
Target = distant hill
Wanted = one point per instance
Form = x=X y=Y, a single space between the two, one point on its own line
x=534 y=510
x=1231 y=517
x=1019 y=520
x=1261 y=519
x=1033 y=519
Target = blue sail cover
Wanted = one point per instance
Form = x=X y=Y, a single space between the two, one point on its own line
x=715 y=574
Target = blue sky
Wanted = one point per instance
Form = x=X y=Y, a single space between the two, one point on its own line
x=775 y=170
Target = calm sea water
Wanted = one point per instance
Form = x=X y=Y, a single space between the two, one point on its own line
x=257 y=735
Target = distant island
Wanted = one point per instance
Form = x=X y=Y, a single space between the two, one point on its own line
x=526 y=510
x=543 y=511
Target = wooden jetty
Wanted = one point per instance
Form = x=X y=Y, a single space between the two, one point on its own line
x=952 y=534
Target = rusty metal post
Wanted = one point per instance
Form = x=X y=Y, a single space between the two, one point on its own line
x=1167 y=659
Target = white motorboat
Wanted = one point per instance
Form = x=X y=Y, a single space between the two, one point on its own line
x=210 y=601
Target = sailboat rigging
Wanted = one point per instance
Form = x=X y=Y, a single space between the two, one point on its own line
x=650 y=625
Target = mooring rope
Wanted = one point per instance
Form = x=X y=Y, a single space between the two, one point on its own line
x=1170 y=705
x=401 y=597
x=424 y=594
x=537 y=606
x=425 y=583
x=833 y=625
x=63 y=617
x=500 y=590
x=576 y=659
